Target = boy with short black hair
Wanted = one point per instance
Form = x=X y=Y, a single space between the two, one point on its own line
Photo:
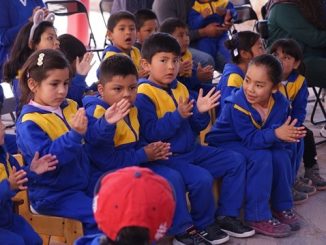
x=169 y=114
x=113 y=111
x=194 y=76
x=121 y=31
x=146 y=24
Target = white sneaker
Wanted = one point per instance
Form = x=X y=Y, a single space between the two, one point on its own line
x=323 y=132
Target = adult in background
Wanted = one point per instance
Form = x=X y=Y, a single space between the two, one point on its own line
x=179 y=9
x=13 y=15
x=131 y=5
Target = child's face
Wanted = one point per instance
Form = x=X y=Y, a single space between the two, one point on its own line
x=182 y=36
x=258 y=48
x=257 y=85
x=119 y=88
x=49 y=40
x=53 y=90
x=163 y=68
x=123 y=35
x=289 y=63
x=149 y=27
x=2 y=133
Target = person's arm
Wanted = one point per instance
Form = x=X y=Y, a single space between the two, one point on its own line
x=289 y=18
x=195 y=20
x=199 y=121
x=77 y=88
x=154 y=128
x=118 y=5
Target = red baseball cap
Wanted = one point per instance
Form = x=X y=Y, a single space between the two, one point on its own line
x=134 y=196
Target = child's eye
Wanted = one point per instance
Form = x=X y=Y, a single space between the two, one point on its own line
x=66 y=83
x=117 y=89
x=133 y=88
x=163 y=60
x=259 y=86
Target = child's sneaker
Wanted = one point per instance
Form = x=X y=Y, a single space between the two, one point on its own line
x=234 y=227
x=317 y=180
x=288 y=217
x=191 y=237
x=299 y=197
x=300 y=186
x=214 y=235
x=271 y=227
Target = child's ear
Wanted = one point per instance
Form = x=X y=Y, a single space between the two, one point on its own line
x=145 y=64
x=100 y=89
x=109 y=35
x=32 y=85
x=296 y=64
x=245 y=55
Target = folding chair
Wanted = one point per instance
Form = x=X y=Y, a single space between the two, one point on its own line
x=240 y=2
x=8 y=105
x=245 y=13
x=105 y=7
x=71 y=7
x=317 y=88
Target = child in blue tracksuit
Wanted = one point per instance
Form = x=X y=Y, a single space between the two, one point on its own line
x=193 y=76
x=294 y=88
x=120 y=145
x=253 y=122
x=205 y=12
x=122 y=34
x=50 y=123
x=167 y=113
x=13 y=178
x=243 y=46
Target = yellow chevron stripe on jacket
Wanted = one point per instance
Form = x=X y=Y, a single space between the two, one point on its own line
x=135 y=56
x=123 y=133
x=292 y=88
x=51 y=123
x=235 y=80
x=212 y=6
x=162 y=100
x=3 y=172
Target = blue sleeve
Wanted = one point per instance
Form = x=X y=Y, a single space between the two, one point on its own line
x=233 y=11
x=199 y=121
x=77 y=88
x=252 y=137
x=154 y=128
x=31 y=138
x=299 y=104
x=195 y=20
x=5 y=192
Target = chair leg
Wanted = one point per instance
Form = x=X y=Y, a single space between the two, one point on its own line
x=319 y=103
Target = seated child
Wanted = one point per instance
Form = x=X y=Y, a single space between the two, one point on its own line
x=194 y=76
x=50 y=123
x=243 y=46
x=220 y=12
x=149 y=202
x=294 y=88
x=13 y=178
x=146 y=24
x=122 y=34
x=254 y=123
x=168 y=113
x=80 y=60
x=119 y=145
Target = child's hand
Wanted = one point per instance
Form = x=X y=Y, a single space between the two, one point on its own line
x=185 y=68
x=206 y=12
x=289 y=133
x=2 y=133
x=205 y=73
x=158 y=151
x=143 y=73
x=79 y=121
x=227 y=19
x=185 y=107
x=209 y=101
x=117 y=111
x=83 y=66
x=44 y=164
x=212 y=30
x=17 y=179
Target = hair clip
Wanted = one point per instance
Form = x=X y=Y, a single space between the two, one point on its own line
x=40 y=59
x=38 y=19
x=27 y=75
x=235 y=52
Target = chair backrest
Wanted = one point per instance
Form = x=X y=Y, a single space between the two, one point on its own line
x=262 y=28
x=70 y=7
x=105 y=7
x=245 y=13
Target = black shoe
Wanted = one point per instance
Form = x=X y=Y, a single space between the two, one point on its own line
x=234 y=227
x=214 y=235
x=191 y=237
